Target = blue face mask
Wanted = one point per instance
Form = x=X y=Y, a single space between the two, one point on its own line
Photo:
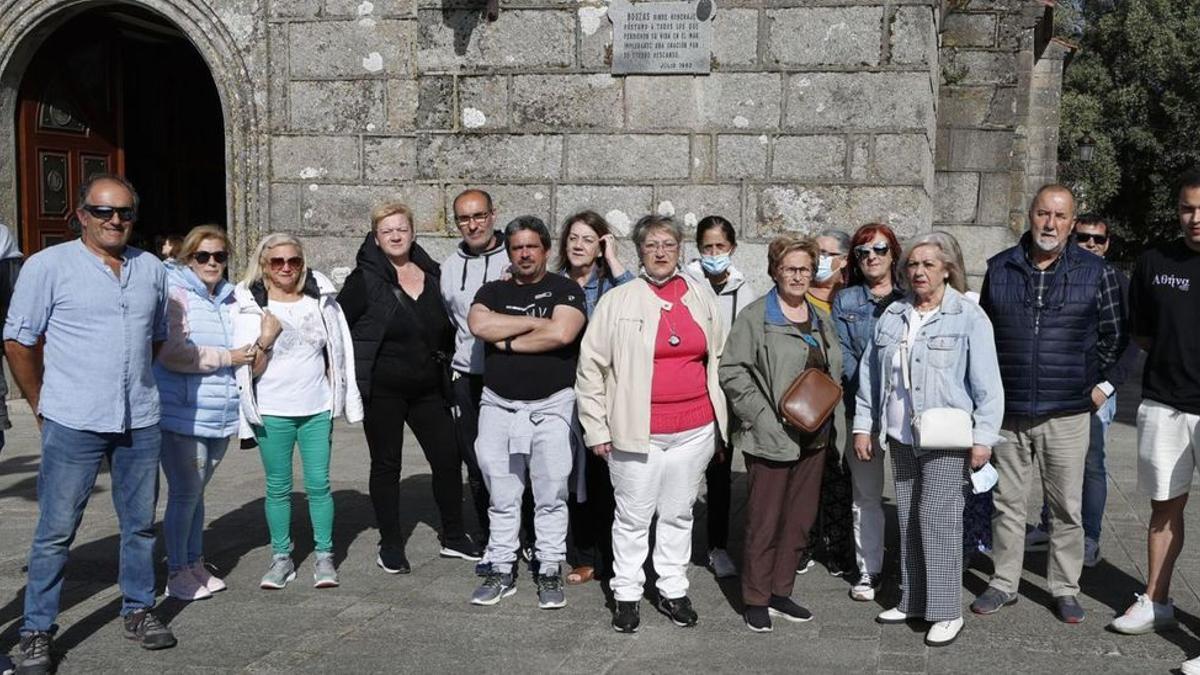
x=715 y=264
x=824 y=269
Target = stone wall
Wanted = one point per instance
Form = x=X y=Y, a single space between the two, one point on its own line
x=816 y=114
x=996 y=140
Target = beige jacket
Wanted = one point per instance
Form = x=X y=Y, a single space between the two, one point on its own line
x=616 y=363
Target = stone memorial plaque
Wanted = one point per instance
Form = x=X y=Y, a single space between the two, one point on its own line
x=662 y=37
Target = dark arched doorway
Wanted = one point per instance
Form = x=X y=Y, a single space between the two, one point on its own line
x=119 y=89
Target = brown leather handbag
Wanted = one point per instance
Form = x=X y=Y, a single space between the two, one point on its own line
x=810 y=400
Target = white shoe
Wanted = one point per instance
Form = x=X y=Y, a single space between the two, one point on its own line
x=864 y=589
x=943 y=633
x=181 y=585
x=1091 y=552
x=1037 y=539
x=892 y=615
x=721 y=564
x=212 y=583
x=1190 y=667
x=1145 y=616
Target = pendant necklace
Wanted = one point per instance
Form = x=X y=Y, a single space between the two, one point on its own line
x=674 y=340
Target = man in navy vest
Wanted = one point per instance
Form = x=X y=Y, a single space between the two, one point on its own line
x=1059 y=324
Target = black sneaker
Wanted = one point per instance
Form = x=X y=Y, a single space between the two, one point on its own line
x=35 y=653
x=679 y=610
x=626 y=619
x=758 y=619
x=462 y=547
x=392 y=560
x=788 y=609
x=145 y=628
x=805 y=563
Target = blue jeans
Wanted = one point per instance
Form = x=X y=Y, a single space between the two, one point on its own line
x=188 y=463
x=1095 y=476
x=71 y=460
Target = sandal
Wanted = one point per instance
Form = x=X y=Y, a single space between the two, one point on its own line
x=580 y=575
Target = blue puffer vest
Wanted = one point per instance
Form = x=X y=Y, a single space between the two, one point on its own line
x=201 y=404
x=1047 y=352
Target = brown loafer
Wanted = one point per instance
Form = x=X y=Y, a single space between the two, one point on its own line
x=580 y=575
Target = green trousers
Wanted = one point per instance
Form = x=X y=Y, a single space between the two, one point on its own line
x=276 y=438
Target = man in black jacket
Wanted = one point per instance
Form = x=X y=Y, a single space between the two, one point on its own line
x=1059 y=324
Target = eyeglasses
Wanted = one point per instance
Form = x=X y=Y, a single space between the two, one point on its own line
x=1085 y=237
x=279 y=263
x=221 y=257
x=105 y=213
x=864 y=251
x=801 y=272
x=465 y=220
x=656 y=246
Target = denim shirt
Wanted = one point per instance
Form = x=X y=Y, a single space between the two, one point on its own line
x=952 y=365
x=854 y=315
x=99 y=330
x=597 y=286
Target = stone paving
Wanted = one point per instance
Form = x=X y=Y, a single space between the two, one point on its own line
x=422 y=622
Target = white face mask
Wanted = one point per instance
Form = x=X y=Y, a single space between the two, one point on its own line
x=824 y=269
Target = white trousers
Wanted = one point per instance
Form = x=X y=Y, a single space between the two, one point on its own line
x=867 y=481
x=664 y=480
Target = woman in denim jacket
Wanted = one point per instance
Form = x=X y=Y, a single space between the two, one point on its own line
x=951 y=354
x=874 y=285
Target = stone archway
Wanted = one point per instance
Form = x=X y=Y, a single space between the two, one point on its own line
x=25 y=24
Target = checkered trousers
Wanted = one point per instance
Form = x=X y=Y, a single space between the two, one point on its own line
x=930 y=493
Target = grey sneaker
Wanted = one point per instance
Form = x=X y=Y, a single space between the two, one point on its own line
x=721 y=564
x=991 y=600
x=282 y=571
x=145 y=628
x=550 y=591
x=324 y=573
x=496 y=585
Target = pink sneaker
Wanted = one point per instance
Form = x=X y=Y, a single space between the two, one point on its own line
x=202 y=575
x=182 y=585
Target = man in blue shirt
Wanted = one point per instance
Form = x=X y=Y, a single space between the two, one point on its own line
x=99 y=306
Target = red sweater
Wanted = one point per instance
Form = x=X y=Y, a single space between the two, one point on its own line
x=679 y=388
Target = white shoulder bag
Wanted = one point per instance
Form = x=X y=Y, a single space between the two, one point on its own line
x=940 y=428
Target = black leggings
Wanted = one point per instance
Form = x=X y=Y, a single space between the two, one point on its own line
x=719 y=478
x=429 y=417
x=592 y=520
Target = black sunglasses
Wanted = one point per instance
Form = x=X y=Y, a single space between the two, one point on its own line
x=203 y=257
x=862 y=252
x=1085 y=237
x=105 y=213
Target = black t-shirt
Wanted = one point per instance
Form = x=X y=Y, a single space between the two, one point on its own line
x=529 y=377
x=1164 y=300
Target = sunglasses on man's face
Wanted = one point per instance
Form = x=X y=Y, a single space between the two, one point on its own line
x=279 y=263
x=1085 y=237
x=864 y=251
x=105 y=213
x=203 y=257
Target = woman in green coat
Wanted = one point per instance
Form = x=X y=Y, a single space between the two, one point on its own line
x=771 y=342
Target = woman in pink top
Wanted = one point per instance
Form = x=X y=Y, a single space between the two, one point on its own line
x=650 y=402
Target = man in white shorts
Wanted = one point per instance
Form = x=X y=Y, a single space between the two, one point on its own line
x=1165 y=311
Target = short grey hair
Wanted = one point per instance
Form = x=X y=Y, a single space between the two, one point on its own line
x=842 y=238
x=647 y=224
x=949 y=252
x=86 y=187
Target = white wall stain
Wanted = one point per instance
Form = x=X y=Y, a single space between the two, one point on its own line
x=590 y=19
x=314 y=187
x=373 y=62
x=619 y=221
x=312 y=172
x=308 y=213
x=665 y=208
x=370 y=126
x=538 y=196
x=763 y=140
x=690 y=220
x=366 y=8
x=473 y=118
x=338 y=275
x=741 y=122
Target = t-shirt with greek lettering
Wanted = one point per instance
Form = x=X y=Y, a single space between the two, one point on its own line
x=294 y=383
x=530 y=377
x=1164 y=300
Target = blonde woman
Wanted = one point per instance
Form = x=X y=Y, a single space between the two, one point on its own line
x=196 y=387
x=301 y=378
